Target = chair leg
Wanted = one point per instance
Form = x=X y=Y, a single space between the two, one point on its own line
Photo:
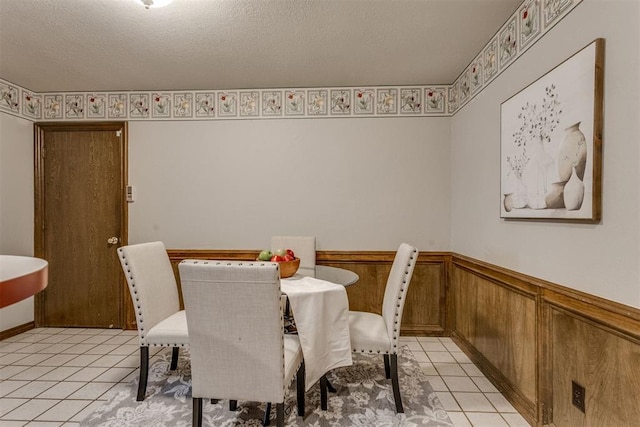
x=330 y=386
x=387 y=372
x=214 y=401
x=197 y=412
x=323 y=393
x=233 y=405
x=395 y=384
x=267 y=415
x=175 y=354
x=300 y=384
x=144 y=373
x=280 y=414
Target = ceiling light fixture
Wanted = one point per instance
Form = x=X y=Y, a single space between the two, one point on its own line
x=154 y=3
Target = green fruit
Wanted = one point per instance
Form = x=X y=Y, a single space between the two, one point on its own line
x=280 y=252
x=265 y=255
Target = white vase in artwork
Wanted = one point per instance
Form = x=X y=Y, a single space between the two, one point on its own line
x=555 y=196
x=572 y=153
x=573 y=192
x=508 y=202
x=538 y=176
x=517 y=192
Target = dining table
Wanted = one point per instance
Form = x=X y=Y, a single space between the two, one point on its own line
x=21 y=277
x=320 y=307
x=340 y=276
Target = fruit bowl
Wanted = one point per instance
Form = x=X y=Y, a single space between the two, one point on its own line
x=288 y=268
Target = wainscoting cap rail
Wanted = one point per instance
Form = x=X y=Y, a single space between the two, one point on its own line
x=599 y=309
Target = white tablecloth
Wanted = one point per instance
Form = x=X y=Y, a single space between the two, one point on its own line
x=321 y=312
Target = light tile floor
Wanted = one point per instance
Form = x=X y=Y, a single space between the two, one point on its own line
x=52 y=377
x=468 y=396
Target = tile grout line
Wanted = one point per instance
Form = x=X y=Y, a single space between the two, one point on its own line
x=417 y=345
x=466 y=375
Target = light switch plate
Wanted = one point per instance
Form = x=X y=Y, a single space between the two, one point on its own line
x=130 y=193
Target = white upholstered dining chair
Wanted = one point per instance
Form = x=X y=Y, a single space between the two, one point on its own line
x=303 y=246
x=156 y=303
x=374 y=333
x=237 y=344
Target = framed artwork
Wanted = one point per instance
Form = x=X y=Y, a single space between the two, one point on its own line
x=551 y=143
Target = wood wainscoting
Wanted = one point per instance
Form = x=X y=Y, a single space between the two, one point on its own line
x=596 y=344
x=495 y=324
x=425 y=311
x=532 y=338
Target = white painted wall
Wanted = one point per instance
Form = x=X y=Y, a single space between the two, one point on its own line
x=355 y=184
x=602 y=259
x=16 y=204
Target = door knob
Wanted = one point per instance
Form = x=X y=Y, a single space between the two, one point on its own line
x=113 y=240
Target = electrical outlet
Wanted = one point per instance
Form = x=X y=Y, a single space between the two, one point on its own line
x=577 y=396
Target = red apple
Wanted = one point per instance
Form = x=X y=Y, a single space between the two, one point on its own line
x=277 y=258
x=288 y=257
x=290 y=252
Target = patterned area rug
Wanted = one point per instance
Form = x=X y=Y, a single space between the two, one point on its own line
x=363 y=398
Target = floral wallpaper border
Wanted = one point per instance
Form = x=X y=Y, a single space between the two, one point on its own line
x=531 y=20
x=226 y=104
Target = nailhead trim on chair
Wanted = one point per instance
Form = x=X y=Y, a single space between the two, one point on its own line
x=164 y=345
x=404 y=282
x=395 y=330
x=135 y=292
x=141 y=329
x=133 y=287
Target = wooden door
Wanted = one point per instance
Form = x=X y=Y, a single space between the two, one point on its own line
x=80 y=179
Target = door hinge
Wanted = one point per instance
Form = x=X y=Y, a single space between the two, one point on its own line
x=119 y=133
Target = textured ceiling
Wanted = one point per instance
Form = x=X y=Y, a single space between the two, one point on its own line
x=91 y=45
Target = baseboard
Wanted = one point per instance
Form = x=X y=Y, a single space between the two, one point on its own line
x=524 y=406
x=17 y=330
